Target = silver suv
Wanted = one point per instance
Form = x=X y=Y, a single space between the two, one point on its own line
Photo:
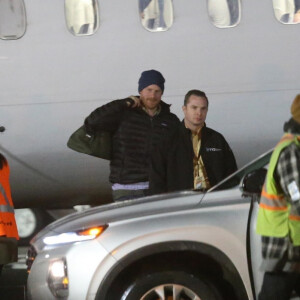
x=184 y=245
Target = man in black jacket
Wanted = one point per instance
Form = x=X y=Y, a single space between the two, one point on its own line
x=193 y=156
x=137 y=124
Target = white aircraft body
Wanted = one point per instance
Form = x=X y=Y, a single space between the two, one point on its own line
x=53 y=76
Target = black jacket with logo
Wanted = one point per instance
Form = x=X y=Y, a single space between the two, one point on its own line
x=172 y=162
x=135 y=135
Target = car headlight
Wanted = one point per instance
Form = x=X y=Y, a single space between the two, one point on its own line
x=77 y=236
x=58 y=280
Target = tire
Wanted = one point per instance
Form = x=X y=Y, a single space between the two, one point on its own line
x=169 y=285
x=30 y=222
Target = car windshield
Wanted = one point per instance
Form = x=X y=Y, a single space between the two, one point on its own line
x=235 y=179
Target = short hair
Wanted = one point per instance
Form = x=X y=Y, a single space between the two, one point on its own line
x=195 y=93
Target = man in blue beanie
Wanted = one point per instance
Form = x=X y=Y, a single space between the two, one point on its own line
x=137 y=124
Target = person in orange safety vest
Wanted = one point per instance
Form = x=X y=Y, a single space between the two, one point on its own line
x=8 y=228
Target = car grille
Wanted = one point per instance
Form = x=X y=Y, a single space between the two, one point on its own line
x=31 y=254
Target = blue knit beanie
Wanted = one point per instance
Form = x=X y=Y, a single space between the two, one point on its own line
x=151 y=77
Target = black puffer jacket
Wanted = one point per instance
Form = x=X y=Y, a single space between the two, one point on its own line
x=135 y=135
x=172 y=162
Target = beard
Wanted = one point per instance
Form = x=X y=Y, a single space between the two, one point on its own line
x=150 y=102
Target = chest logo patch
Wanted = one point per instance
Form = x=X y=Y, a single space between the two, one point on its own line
x=212 y=149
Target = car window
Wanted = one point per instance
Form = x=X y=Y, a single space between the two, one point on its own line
x=235 y=179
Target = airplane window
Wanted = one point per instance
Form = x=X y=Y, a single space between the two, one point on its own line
x=82 y=16
x=224 y=13
x=156 y=15
x=12 y=19
x=287 y=11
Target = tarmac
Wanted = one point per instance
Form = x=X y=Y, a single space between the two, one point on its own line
x=14 y=277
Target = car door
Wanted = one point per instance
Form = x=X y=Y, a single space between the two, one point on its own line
x=255 y=257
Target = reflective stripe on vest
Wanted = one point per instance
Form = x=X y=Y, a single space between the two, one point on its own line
x=273 y=202
x=276 y=217
x=7 y=207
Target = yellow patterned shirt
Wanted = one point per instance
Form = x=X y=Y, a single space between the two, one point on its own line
x=200 y=176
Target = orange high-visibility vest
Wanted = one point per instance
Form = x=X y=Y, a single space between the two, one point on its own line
x=8 y=226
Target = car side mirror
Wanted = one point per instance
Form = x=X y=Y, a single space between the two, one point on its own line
x=252 y=182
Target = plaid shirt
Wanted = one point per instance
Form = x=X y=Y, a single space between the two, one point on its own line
x=279 y=253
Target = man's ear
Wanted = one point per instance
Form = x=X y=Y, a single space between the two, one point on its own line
x=183 y=108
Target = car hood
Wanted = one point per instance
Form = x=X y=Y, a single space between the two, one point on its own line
x=118 y=211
